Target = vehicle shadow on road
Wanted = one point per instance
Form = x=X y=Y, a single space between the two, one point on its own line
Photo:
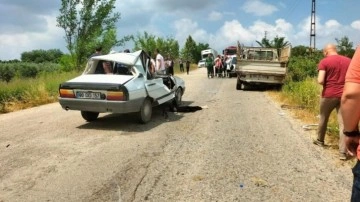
x=129 y=122
x=262 y=88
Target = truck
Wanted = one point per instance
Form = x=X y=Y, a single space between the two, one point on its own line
x=259 y=66
x=206 y=53
x=230 y=60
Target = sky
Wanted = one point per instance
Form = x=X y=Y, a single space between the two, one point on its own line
x=27 y=25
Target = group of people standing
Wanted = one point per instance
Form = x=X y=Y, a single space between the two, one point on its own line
x=187 y=64
x=215 y=66
x=340 y=78
x=161 y=65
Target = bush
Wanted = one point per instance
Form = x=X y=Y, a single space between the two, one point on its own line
x=28 y=70
x=67 y=63
x=302 y=67
x=305 y=93
x=7 y=73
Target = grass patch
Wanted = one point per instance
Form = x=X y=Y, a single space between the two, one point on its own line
x=25 y=93
x=302 y=100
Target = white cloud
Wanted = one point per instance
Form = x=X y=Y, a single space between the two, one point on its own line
x=185 y=27
x=215 y=16
x=21 y=42
x=332 y=24
x=356 y=25
x=258 y=8
x=230 y=33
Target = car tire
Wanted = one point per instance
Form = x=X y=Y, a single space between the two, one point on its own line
x=178 y=98
x=238 y=84
x=89 y=116
x=244 y=86
x=145 y=111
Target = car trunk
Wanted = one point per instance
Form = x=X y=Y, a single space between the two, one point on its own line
x=97 y=81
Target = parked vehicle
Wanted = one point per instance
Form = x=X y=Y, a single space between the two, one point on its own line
x=230 y=51
x=201 y=63
x=132 y=90
x=206 y=53
x=261 y=66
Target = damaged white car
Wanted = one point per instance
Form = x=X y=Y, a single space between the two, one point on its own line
x=129 y=88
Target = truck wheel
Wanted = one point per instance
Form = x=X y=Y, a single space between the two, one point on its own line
x=145 y=112
x=244 y=86
x=238 y=85
x=89 y=116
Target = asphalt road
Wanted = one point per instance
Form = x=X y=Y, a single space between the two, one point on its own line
x=240 y=147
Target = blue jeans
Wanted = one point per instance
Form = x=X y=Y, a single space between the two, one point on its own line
x=355 y=195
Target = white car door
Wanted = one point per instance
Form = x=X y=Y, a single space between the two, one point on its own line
x=157 y=90
x=155 y=87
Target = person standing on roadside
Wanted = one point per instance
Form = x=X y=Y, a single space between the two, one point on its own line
x=171 y=66
x=209 y=62
x=187 y=66
x=181 y=63
x=331 y=75
x=350 y=110
x=160 y=63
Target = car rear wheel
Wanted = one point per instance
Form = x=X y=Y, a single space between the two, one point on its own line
x=89 y=116
x=145 y=111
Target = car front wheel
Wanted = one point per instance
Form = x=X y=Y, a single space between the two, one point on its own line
x=145 y=111
x=89 y=116
x=178 y=97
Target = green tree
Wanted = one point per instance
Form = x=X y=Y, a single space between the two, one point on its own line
x=299 y=51
x=190 y=51
x=264 y=43
x=199 y=48
x=145 y=42
x=148 y=42
x=88 y=24
x=345 y=47
x=40 y=56
x=277 y=42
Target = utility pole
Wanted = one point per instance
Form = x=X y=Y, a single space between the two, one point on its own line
x=312 y=27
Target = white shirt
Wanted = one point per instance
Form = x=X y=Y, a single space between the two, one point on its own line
x=160 y=64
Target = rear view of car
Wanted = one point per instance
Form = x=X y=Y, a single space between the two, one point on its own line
x=133 y=90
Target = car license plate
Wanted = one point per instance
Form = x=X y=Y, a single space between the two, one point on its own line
x=88 y=95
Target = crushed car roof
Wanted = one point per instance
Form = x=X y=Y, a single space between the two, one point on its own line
x=125 y=58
